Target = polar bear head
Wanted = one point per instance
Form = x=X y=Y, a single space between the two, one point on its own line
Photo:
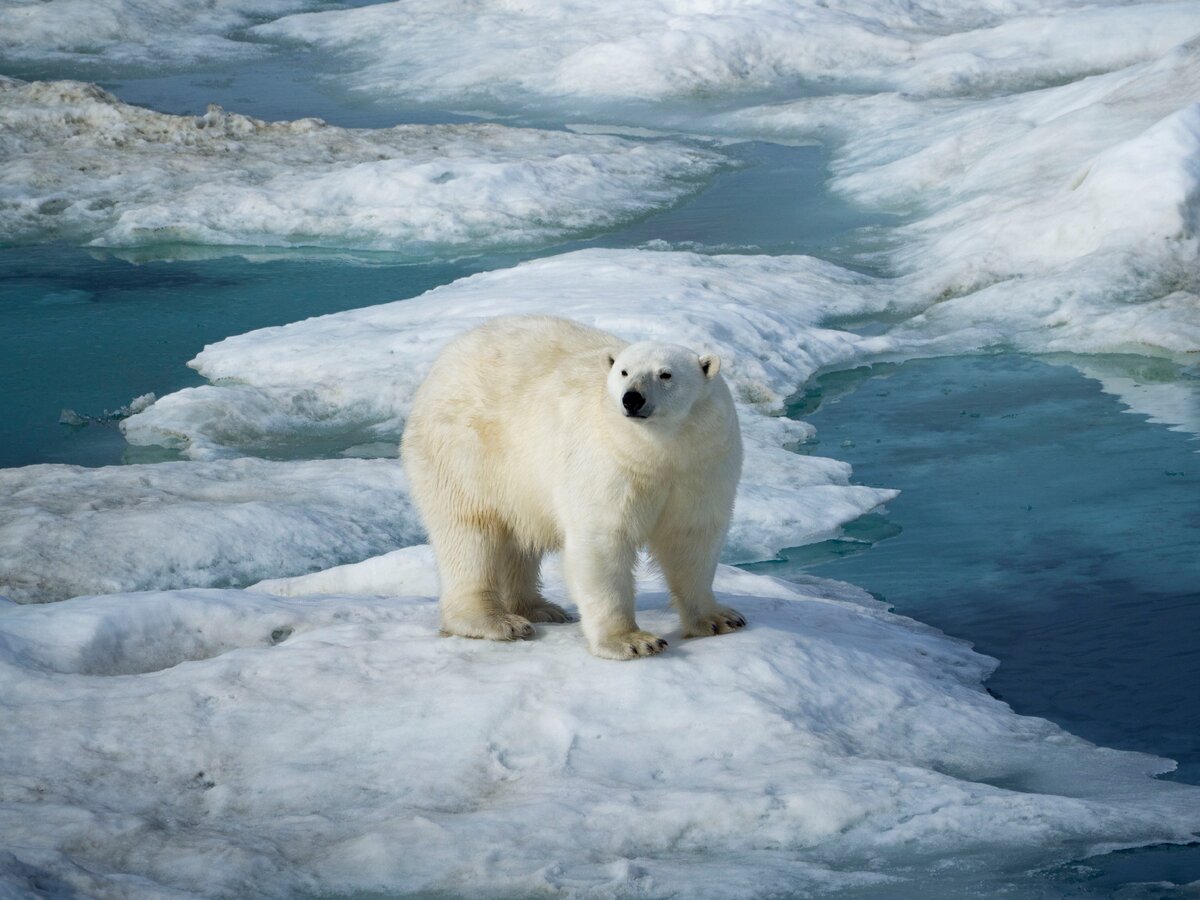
x=658 y=383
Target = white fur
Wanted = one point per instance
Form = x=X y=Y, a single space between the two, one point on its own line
x=519 y=444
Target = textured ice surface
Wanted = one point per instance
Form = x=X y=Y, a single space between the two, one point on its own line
x=1047 y=155
x=358 y=370
x=80 y=165
x=132 y=32
x=66 y=530
x=1053 y=219
x=227 y=743
x=562 y=53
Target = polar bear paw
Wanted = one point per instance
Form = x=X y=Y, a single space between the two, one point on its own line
x=630 y=645
x=723 y=621
x=545 y=611
x=496 y=627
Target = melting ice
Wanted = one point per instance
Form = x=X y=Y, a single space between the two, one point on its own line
x=334 y=744
x=82 y=166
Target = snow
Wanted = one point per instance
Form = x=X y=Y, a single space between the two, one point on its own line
x=81 y=165
x=224 y=743
x=576 y=55
x=161 y=33
x=66 y=530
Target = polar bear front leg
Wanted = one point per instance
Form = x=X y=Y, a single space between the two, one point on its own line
x=688 y=557
x=599 y=575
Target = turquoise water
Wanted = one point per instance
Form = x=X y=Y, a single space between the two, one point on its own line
x=1050 y=527
x=1039 y=520
x=88 y=330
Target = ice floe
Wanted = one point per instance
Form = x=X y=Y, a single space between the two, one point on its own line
x=581 y=55
x=1046 y=156
x=225 y=743
x=356 y=372
x=80 y=165
x=172 y=33
x=66 y=530
x=1055 y=219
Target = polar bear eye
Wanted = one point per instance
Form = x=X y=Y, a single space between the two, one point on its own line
x=624 y=374
x=665 y=376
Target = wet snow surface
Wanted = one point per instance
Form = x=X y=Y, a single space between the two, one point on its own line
x=274 y=714
x=228 y=742
x=81 y=165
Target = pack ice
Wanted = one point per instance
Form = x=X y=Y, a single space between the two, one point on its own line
x=80 y=165
x=313 y=735
x=1044 y=158
x=131 y=33
x=230 y=743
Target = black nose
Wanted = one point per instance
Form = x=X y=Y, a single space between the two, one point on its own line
x=633 y=401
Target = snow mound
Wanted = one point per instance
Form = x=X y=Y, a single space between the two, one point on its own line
x=1063 y=218
x=81 y=165
x=276 y=746
x=66 y=530
x=176 y=33
x=579 y=55
x=358 y=370
x=1044 y=155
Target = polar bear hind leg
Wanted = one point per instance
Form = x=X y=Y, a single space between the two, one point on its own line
x=519 y=576
x=472 y=557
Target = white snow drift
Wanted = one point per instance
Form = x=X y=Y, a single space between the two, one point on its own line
x=76 y=163
x=66 y=530
x=174 y=33
x=225 y=743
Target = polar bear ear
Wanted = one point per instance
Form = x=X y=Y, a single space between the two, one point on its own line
x=710 y=365
x=612 y=360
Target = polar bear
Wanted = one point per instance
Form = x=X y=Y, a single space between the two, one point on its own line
x=534 y=434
